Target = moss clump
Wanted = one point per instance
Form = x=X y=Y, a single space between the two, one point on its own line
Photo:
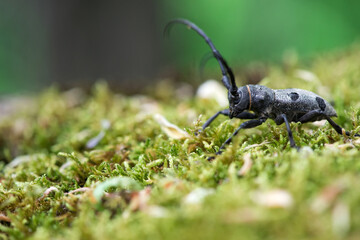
x=100 y=167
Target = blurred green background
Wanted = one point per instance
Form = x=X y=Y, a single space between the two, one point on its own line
x=263 y=30
x=74 y=43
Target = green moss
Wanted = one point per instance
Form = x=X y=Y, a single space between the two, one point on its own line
x=138 y=183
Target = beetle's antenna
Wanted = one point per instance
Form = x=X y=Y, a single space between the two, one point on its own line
x=225 y=69
x=203 y=62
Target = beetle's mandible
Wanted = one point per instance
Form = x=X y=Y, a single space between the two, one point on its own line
x=258 y=103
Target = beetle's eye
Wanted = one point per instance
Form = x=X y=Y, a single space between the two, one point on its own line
x=235 y=99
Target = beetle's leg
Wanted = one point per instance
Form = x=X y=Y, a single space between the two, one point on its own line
x=210 y=120
x=310 y=116
x=246 y=115
x=339 y=129
x=243 y=115
x=248 y=124
x=291 y=138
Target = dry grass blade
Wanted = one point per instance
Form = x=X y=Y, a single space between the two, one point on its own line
x=170 y=129
x=246 y=166
x=275 y=198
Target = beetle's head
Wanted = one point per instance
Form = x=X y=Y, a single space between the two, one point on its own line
x=239 y=101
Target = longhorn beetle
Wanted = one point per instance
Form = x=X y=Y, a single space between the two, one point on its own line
x=258 y=103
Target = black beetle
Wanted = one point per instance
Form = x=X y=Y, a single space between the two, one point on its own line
x=260 y=103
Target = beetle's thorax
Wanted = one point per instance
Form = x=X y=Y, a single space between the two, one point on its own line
x=262 y=98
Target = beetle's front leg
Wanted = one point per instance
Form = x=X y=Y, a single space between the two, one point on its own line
x=226 y=112
x=249 y=124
